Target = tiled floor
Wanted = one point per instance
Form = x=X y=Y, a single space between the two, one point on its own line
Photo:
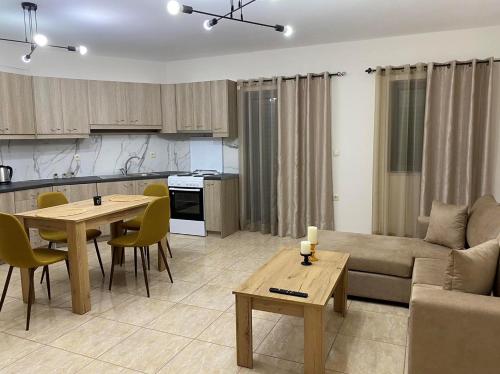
x=189 y=326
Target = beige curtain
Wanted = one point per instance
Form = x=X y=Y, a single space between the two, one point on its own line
x=305 y=184
x=400 y=95
x=458 y=149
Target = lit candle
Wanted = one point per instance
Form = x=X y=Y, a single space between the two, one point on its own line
x=312 y=234
x=305 y=247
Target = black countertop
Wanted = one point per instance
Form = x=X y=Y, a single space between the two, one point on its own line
x=27 y=185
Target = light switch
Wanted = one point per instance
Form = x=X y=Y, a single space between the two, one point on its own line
x=336 y=153
x=152 y=155
x=336 y=197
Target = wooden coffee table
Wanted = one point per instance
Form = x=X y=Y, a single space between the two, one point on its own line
x=322 y=280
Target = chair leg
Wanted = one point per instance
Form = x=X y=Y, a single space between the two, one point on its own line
x=30 y=298
x=168 y=247
x=112 y=267
x=43 y=272
x=46 y=268
x=135 y=261
x=162 y=252
x=67 y=267
x=122 y=258
x=99 y=257
x=144 y=269
x=147 y=253
x=6 y=287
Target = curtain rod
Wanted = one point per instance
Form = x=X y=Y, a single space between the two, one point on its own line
x=371 y=70
x=337 y=74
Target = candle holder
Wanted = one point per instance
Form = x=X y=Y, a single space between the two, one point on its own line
x=313 y=252
x=306 y=261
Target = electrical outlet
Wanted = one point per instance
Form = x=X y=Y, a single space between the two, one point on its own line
x=336 y=197
x=77 y=157
x=336 y=153
x=152 y=154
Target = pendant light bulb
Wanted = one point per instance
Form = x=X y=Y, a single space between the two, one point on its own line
x=288 y=31
x=206 y=25
x=82 y=50
x=40 y=40
x=26 y=58
x=173 y=7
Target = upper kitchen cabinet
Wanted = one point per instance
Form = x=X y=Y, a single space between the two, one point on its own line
x=184 y=106
x=224 y=113
x=202 y=107
x=118 y=105
x=168 y=109
x=61 y=107
x=16 y=106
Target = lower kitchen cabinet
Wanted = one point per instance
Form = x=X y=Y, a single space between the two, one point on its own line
x=221 y=204
x=78 y=192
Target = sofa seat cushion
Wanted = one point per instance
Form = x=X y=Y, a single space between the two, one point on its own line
x=372 y=253
x=429 y=271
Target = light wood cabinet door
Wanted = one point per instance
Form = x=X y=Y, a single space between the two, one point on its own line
x=77 y=192
x=48 y=106
x=168 y=109
x=114 y=188
x=184 y=105
x=16 y=105
x=224 y=110
x=107 y=103
x=212 y=205
x=140 y=185
x=202 y=107
x=7 y=204
x=75 y=106
x=144 y=104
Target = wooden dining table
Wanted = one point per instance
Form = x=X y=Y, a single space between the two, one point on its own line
x=75 y=218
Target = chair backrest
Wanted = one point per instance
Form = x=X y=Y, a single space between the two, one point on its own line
x=156 y=189
x=15 y=247
x=154 y=222
x=48 y=199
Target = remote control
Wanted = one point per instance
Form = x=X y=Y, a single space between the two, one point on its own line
x=288 y=292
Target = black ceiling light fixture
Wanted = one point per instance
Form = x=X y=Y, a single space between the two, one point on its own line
x=174 y=8
x=36 y=39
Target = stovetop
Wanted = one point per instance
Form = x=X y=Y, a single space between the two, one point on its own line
x=198 y=173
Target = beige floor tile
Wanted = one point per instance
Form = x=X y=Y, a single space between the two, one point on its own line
x=196 y=274
x=248 y=264
x=146 y=350
x=202 y=358
x=14 y=308
x=47 y=324
x=94 y=337
x=138 y=310
x=223 y=331
x=219 y=260
x=104 y=367
x=13 y=348
x=185 y=320
x=272 y=365
x=333 y=321
x=173 y=292
x=388 y=328
x=374 y=306
x=101 y=301
x=286 y=341
x=360 y=356
x=230 y=278
x=48 y=360
x=211 y=297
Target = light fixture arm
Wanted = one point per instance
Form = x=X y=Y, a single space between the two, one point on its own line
x=219 y=16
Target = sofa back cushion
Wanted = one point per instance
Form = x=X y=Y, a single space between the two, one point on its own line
x=484 y=221
x=447 y=225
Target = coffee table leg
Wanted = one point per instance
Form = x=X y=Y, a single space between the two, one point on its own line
x=244 y=331
x=340 y=298
x=314 y=340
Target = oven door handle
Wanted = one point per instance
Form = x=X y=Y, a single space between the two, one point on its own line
x=185 y=189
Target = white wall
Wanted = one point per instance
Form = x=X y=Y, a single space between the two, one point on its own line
x=352 y=95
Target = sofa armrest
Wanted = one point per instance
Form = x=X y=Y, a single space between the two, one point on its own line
x=453 y=332
x=422 y=226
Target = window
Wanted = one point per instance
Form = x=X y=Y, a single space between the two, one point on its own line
x=406 y=125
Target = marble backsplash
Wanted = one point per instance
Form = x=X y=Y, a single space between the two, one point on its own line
x=106 y=154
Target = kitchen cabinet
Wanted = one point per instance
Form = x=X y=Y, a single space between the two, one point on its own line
x=26 y=200
x=7 y=203
x=221 y=205
x=224 y=109
x=141 y=184
x=75 y=106
x=16 y=106
x=184 y=106
x=107 y=103
x=114 y=188
x=77 y=192
x=168 y=109
x=144 y=104
x=202 y=106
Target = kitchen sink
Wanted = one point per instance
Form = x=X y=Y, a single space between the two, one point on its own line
x=132 y=175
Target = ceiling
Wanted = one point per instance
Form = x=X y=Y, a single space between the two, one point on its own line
x=142 y=29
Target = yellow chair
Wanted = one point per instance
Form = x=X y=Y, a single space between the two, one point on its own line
x=16 y=250
x=153 y=229
x=154 y=189
x=49 y=199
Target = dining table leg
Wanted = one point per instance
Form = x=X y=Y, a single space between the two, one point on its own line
x=25 y=274
x=117 y=230
x=78 y=267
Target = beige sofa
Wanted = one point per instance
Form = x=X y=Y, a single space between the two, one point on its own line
x=449 y=332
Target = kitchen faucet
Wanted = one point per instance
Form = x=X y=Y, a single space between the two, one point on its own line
x=124 y=170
